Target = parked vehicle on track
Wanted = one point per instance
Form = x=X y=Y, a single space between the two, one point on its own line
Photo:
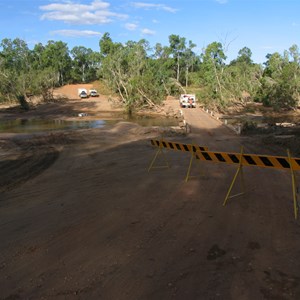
x=82 y=93
x=187 y=100
x=93 y=93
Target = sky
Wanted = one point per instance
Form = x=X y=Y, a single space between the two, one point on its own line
x=264 y=26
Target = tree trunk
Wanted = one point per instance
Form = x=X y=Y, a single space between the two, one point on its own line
x=23 y=102
x=83 y=73
x=218 y=81
x=165 y=87
x=186 y=76
x=178 y=69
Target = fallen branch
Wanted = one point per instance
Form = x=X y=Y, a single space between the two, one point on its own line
x=149 y=101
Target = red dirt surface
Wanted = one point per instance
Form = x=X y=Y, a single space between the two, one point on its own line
x=82 y=218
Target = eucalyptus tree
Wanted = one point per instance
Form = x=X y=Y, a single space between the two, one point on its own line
x=161 y=52
x=57 y=56
x=177 y=47
x=290 y=80
x=274 y=64
x=212 y=69
x=25 y=72
x=164 y=63
x=45 y=78
x=115 y=68
x=294 y=70
x=242 y=76
x=85 y=63
x=189 y=58
x=37 y=57
x=245 y=56
x=129 y=70
x=107 y=45
x=280 y=85
x=15 y=70
x=270 y=88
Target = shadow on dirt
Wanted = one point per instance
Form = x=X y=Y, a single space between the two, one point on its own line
x=31 y=156
x=107 y=228
x=57 y=109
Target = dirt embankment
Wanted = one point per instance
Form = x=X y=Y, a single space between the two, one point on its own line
x=82 y=218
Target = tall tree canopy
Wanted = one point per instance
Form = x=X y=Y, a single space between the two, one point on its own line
x=143 y=76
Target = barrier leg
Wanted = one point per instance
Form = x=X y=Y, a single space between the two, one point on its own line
x=296 y=208
x=189 y=169
x=242 y=180
x=159 y=151
x=239 y=171
x=191 y=161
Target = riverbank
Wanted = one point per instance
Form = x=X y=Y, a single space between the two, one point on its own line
x=246 y=120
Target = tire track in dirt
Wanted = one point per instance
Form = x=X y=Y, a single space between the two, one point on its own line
x=29 y=158
x=25 y=167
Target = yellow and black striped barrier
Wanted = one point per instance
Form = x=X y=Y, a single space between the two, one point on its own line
x=266 y=161
x=202 y=153
x=241 y=159
x=161 y=144
x=178 y=146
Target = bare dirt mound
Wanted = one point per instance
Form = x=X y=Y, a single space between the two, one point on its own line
x=70 y=91
x=67 y=105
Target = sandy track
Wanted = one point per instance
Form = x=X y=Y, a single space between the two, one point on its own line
x=94 y=224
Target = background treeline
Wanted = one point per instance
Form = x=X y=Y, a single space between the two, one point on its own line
x=144 y=76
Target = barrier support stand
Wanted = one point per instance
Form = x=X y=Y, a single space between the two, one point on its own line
x=159 y=151
x=239 y=171
x=296 y=208
x=190 y=164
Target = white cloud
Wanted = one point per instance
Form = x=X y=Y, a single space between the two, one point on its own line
x=147 y=31
x=76 y=33
x=97 y=12
x=131 y=26
x=153 y=6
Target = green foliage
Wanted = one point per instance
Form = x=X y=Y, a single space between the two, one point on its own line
x=280 y=85
x=227 y=84
x=57 y=57
x=15 y=70
x=143 y=76
x=139 y=81
x=85 y=64
x=212 y=73
x=25 y=72
x=244 y=57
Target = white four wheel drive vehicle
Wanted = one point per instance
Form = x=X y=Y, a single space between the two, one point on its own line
x=94 y=93
x=82 y=93
x=187 y=100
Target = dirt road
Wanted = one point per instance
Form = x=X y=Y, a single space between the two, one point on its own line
x=83 y=219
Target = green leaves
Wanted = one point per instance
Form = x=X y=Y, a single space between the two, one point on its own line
x=85 y=64
x=280 y=85
x=128 y=70
x=25 y=72
x=143 y=76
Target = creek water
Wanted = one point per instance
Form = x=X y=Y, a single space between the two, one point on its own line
x=41 y=125
x=262 y=119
